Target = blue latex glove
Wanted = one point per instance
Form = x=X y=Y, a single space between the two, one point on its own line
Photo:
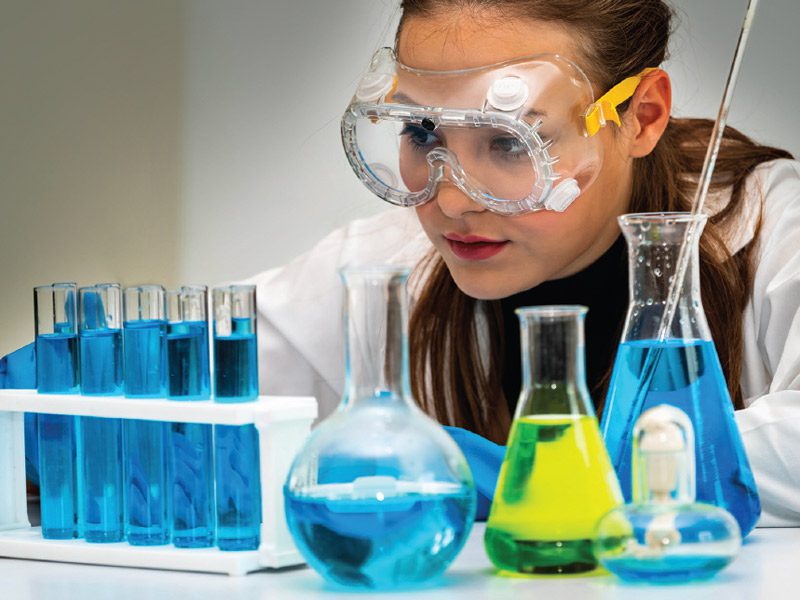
x=18 y=371
x=484 y=459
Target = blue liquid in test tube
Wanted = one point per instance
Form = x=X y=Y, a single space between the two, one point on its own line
x=100 y=470
x=235 y=363
x=190 y=444
x=145 y=442
x=57 y=373
x=237 y=447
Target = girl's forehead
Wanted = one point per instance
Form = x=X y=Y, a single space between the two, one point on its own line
x=450 y=42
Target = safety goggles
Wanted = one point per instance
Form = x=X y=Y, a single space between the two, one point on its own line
x=516 y=137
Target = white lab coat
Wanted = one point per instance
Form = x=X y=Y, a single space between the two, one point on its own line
x=301 y=346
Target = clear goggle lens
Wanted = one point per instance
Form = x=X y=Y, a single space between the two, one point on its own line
x=512 y=136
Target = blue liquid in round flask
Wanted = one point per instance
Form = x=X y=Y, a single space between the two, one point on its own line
x=681 y=369
x=380 y=496
x=664 y=536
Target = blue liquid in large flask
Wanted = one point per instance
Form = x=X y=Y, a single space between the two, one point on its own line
x=380 y=496
x=683 y=370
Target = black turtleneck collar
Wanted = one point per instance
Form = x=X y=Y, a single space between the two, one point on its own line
x=603 y=288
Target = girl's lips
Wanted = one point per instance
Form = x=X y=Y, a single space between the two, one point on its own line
x=473 y=247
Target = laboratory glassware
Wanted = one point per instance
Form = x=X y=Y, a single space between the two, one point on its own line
x=665 y=536
x=556 y=480
x=681 y=369
x=100 y=469
x=144 y=448
x=190 y=444
x=380 y=496
x=238 y=497
x=57 y=372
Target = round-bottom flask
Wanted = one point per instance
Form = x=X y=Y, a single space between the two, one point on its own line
x=665 y=536
x=380 y=496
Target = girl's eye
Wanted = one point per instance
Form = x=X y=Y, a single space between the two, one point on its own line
x=508 y=147
x=419 y=136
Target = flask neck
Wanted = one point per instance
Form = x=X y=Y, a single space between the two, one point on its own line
x=654 y=254
x=376 y=342
x=553 y=363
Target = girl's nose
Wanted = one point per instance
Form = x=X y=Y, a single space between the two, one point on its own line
x=454 y=203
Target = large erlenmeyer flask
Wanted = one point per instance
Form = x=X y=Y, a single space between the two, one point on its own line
x=556 y=480
x=682 y=370
x=380 y=495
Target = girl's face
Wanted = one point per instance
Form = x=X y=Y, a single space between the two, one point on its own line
x=521 y=251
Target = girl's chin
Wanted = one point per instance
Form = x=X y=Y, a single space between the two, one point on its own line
x=488 y=284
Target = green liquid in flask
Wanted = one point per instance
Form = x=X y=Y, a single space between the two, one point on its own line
x=555 y=484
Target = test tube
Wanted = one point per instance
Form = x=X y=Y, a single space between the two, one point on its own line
x=144 y=442
x=236 y=380
x=57 y=373
x=100 y=469
x=191 y=445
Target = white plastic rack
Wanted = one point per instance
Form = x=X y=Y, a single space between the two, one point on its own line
x=282 y=422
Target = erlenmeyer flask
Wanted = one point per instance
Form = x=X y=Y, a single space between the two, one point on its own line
x=682 y=371
x=380 y=496
x=556 y=481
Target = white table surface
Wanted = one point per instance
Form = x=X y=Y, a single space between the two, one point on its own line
x=768 y=567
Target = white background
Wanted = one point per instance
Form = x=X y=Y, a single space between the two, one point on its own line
x=177 y=141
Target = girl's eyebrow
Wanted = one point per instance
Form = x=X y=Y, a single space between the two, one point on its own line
x=401 y=97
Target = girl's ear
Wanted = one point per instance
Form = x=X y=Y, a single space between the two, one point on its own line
x=648 y=114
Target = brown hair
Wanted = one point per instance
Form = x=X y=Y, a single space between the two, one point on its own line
x=451 y=378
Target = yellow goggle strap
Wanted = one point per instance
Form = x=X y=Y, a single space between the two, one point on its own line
x=605 y=109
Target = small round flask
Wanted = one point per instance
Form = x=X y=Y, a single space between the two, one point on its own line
x=664 y=535
x=380 y=496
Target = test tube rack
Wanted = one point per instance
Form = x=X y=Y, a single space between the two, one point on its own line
x=283 y=423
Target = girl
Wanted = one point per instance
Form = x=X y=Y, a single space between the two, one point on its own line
x=482 y=248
